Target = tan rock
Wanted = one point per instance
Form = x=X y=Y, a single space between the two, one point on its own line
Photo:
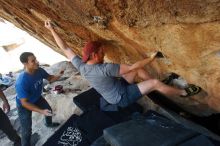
x=187 y=32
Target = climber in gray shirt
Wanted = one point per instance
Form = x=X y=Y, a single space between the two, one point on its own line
x=104 y=76
x=106 y=83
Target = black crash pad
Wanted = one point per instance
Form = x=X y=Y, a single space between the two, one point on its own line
x=80 y=130
x=68 y=134
x=153 y=130
x=90 y=100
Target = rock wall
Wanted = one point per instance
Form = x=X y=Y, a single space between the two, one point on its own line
x=186 y=32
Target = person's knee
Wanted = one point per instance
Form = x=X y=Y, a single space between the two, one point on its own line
x=26 y=131
x=140 y=69
x=26 y=125
x=154 y=82
x=143 y=74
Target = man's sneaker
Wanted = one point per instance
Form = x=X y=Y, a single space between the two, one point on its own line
x=171 y=77
x=52 y=125
x=192 y=90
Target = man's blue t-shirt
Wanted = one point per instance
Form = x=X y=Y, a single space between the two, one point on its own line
x=30 y=86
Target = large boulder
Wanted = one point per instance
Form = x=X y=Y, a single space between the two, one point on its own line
x=186 y=32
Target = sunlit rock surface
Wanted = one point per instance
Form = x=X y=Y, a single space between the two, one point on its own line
x=186 y=32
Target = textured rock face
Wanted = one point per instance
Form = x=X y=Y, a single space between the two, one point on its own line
x=186 y=32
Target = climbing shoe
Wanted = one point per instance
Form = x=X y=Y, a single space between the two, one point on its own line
x=192 y=90
x=171 y=77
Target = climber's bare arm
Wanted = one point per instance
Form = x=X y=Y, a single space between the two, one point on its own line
x=63 y=46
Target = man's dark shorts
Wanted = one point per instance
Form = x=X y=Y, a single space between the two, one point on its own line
x=131 y=95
